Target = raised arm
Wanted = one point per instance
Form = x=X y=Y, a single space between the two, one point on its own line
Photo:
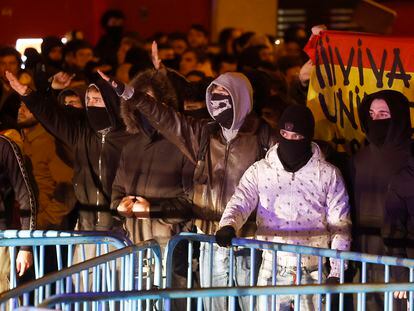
x=145 y=97
x=45 y=109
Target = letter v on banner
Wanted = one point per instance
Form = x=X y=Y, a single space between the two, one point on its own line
x=347 y=66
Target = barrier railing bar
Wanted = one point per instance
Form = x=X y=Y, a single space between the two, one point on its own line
x=307 y=289
x=77 y=268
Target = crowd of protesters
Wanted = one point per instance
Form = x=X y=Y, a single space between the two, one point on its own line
x=173 y=133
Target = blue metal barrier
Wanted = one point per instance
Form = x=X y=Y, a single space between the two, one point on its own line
x=70 y=299
x=298 y=253
x=125 y=254
x=102 y=277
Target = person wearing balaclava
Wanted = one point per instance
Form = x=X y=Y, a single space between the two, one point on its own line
x=317 y=214
x=97 y=136
x=385 y=118
x=221 y=150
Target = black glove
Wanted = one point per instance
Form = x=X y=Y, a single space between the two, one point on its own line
x=224 y=236
x=117 y=85
x=334 y=297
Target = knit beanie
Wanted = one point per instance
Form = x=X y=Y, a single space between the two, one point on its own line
x=298 y=119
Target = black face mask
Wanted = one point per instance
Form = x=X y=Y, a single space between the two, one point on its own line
x=294 y=154
x=377 y=131
x=222 y=109
x=98 y=118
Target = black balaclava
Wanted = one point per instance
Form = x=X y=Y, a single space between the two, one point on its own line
x=294 y=154
x=378 y=130
x=98 y=118
x=387 y=133
x=222 y=109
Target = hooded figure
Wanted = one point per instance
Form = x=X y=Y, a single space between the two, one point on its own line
x=221 y=150
x=388 y=131
x=97 y=140
x=387 y=152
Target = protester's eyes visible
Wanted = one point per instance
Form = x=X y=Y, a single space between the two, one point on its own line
x=379 y=115
x=297 y=137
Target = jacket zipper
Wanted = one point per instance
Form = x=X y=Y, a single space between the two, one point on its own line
x=100 y=165
x=226 y=156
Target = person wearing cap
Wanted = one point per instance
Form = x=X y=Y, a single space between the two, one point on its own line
x=299 y=199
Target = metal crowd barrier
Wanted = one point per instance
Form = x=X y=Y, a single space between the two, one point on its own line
x=364 y=260
x=69 y=299
x=102 y=273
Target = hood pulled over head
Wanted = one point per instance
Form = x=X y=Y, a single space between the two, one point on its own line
x=111 y=101
x=238 y=102
x=389 y=132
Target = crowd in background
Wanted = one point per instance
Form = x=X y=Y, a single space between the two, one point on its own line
x=91 y=158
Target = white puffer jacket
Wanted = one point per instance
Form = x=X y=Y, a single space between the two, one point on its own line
x=309 y=207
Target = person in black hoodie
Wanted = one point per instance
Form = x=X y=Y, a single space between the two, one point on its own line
x=398 y=230
x=385 y=118
x=97 y=139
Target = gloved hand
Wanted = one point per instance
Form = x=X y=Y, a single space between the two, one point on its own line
x=334 y=297
x=224 y=236
x=118 y=86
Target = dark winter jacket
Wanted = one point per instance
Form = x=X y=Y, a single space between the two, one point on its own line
x=14 y=179
x=220 y=162
x=150 y=165
x=97 y=154
x=374 y=166
x=398 y=229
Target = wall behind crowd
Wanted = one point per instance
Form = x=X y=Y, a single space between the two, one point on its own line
x=35 y=19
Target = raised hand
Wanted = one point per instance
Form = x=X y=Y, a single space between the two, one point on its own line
x=318 y=28
x=154 y=54
x=61 y=80
x=113 y=83
x=20 y=88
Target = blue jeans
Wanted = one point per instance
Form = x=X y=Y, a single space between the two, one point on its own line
x=287 y=276
x=220 y=276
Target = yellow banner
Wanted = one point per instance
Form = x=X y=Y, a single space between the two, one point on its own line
x=347 y=67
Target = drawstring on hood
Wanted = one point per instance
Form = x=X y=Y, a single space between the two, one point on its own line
x=241 y=95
